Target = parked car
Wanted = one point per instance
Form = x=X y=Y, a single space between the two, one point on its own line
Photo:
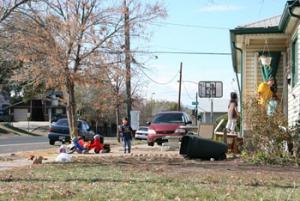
x=4 y=114
x=58 y=117
x=59 y=131
x=167 y=124
x=141 y=133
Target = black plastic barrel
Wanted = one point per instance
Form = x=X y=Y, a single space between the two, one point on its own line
x=196 y=147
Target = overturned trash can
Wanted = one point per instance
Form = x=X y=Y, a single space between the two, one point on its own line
x=196 y=147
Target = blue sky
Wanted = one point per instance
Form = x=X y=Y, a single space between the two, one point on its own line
x=212 y=13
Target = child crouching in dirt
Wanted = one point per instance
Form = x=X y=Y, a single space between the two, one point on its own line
x=126 y=135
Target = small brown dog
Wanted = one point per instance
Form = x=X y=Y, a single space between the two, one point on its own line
x=37 y=159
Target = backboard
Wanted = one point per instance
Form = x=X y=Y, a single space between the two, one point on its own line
x=210 y=89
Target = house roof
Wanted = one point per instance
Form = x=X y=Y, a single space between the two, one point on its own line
x=265 y=23
x=276 y=24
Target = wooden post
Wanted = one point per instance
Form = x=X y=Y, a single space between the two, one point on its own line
x=179 y=92
x=127 y=61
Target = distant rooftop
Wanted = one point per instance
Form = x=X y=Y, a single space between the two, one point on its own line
x=269 y=22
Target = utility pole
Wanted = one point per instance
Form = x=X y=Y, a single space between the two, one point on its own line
x=180 y=82
x=127 y=60
x=212 y=110
x=196 y=109
x=211 y=88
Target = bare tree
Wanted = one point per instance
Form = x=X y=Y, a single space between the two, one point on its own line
x=64 y=43
x=9 y=6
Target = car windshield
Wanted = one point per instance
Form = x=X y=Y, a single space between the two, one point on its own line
x=64 y=123
x=143 y=129
x=168 y=118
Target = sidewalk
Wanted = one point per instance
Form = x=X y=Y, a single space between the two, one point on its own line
x=38 y=127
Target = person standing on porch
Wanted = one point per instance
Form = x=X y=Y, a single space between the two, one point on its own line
x=265 y=92
x=232 y=113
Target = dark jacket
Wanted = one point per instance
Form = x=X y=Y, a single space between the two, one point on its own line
x=126 y=132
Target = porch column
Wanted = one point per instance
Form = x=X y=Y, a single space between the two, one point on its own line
x=285 y=85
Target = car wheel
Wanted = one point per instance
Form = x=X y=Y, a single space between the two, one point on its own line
x=151 y=144
x=51 y=142
x=222 y=157
x=159 y=143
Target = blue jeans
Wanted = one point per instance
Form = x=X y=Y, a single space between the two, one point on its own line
x=127 y=144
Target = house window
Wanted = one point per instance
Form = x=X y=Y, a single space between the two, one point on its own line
x=295 y=62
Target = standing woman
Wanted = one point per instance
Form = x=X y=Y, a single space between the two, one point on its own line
x=126 y=135
x=232 y=113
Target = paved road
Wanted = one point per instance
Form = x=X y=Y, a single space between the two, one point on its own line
x=22 y=143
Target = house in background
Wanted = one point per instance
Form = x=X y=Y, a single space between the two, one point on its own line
x=278 y=37
x=206 y=116
x=39 y=108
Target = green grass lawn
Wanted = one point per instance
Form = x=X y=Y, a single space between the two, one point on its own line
x=142 y=179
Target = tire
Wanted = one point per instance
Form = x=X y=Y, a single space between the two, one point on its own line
x=151 y=144
x=51 y=142
x=222 y=157
x=159 y=143
x=106 y=148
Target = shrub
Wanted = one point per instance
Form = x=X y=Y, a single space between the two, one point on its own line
x=265 y=140
x=294 y=139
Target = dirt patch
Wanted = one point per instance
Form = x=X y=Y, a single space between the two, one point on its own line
x=146 y=174
x=153 y=157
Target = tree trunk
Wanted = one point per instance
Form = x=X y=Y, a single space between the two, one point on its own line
x=71 y=108
x=118 y=120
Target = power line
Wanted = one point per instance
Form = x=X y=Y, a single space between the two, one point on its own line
x=183 y=52
x=190 y=25
x=157 y=82
x=170 y=52
x=187 y=92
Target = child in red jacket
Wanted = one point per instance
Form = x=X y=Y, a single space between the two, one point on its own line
x=96 y=144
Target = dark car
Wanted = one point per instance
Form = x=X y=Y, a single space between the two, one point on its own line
x=58 y=117
x=59 y=131
x=167 y=124
x=4 y=114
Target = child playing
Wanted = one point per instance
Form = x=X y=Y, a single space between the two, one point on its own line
x=232 y=112
x=126 y=135
x=272 y=105
x=63 y=156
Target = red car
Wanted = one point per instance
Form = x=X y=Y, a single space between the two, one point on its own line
x=167 y=124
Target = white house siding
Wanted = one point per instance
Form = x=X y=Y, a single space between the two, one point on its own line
x=294 y=92
x=293 y=104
